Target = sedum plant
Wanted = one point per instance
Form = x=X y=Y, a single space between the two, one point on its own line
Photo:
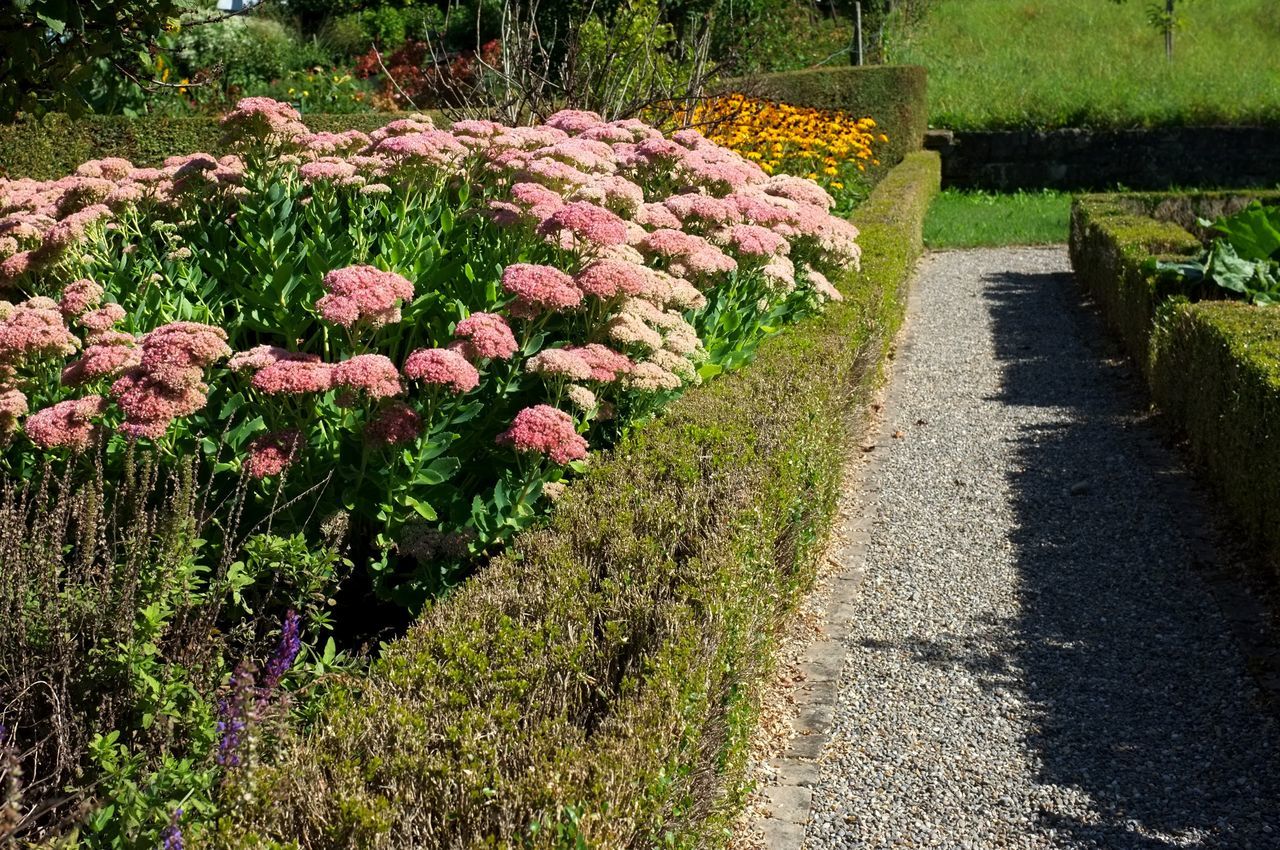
x=426 y=329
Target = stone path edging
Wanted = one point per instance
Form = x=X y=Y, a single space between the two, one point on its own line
x=789 y=800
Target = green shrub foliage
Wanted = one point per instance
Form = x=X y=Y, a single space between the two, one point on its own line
x=592 y=686
x=1213 y=366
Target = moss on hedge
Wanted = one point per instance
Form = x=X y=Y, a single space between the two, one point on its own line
x=595 y=683
x=1213 y=366
x=894 y=95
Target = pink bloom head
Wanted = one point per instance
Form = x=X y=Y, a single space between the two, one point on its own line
x=588 y=223
x=176 y=354
x=432 y=148
x=262 y=356
x=35 y=328
x=363 y=294
x=574 y=121
x=544 y=430
x=261 y=119
x=393 y=425
x=289 y=376
x=704 y=209
x=756 y=241
x=798 y=189
x=112 y=168
x=559 y=363
x=273 y=453
x=608 y=279
x=102 y=360
x=80 y=296
x=486 y=335
x=67 y=424
x=373 y=374
x=606 y=364
x=442 y=367
x=657 y=216
x=13 y=406
x=102 y=319
x=150 y=405
x=541 y=287
x=326 y=171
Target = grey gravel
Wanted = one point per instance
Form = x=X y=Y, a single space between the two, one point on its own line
x=1037 y=662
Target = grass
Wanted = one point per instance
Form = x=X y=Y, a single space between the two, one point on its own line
x=963 y=219
x=1065 y=63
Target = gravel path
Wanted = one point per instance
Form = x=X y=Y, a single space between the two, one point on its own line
x=1036 y=661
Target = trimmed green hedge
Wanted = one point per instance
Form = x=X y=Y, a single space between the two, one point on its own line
x=595 y=684
x=53 y=146
x=48 y=148
x=894 y=95
x=1213 y=366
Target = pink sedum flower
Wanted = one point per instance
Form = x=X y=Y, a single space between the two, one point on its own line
x=80 y=296
x=591 y=224
x=544 y=430
x=102 y=360
x=394 y=425
x=756 y=241
x=559 y=363
x=442 y=367
x=34 y=328
x=273 y=453
x=486 y=335
x=363 y=294
x=372 y=374
x=607 y=279
x=606 y=364
x=290 y=376
x=574 y=121
x=67 y=424
x=13 y=406
x=541 y=287
x=102 y=319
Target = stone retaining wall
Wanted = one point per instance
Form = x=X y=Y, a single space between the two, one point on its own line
x=1104 y=159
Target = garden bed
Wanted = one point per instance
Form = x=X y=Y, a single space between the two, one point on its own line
x=591 y=687
x=1213 y=366
x=49 y=147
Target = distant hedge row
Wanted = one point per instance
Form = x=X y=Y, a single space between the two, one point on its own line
x=593 y=686
x=1213 y=366
x=50 y=147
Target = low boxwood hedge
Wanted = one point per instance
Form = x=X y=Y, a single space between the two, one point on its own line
x=594 y=686
x=1213 y=366
x=50 y=147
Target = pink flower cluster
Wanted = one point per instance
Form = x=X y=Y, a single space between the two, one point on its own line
x=272 y=453
x=168 y=382
x=363 y=294
x=67 y=424
x=544 y=430
x=442 y=367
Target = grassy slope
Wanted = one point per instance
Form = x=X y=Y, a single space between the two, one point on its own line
x=1054 y=63
x=960 y=219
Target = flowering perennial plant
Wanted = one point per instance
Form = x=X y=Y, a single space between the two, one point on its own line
x=830 y=147
x=425 y=327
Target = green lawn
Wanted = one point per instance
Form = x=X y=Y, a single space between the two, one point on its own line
x=1061 y=63
x=961 y=219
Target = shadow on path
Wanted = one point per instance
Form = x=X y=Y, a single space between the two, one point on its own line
x=1140 y=696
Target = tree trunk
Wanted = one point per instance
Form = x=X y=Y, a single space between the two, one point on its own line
x=1168 y=29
